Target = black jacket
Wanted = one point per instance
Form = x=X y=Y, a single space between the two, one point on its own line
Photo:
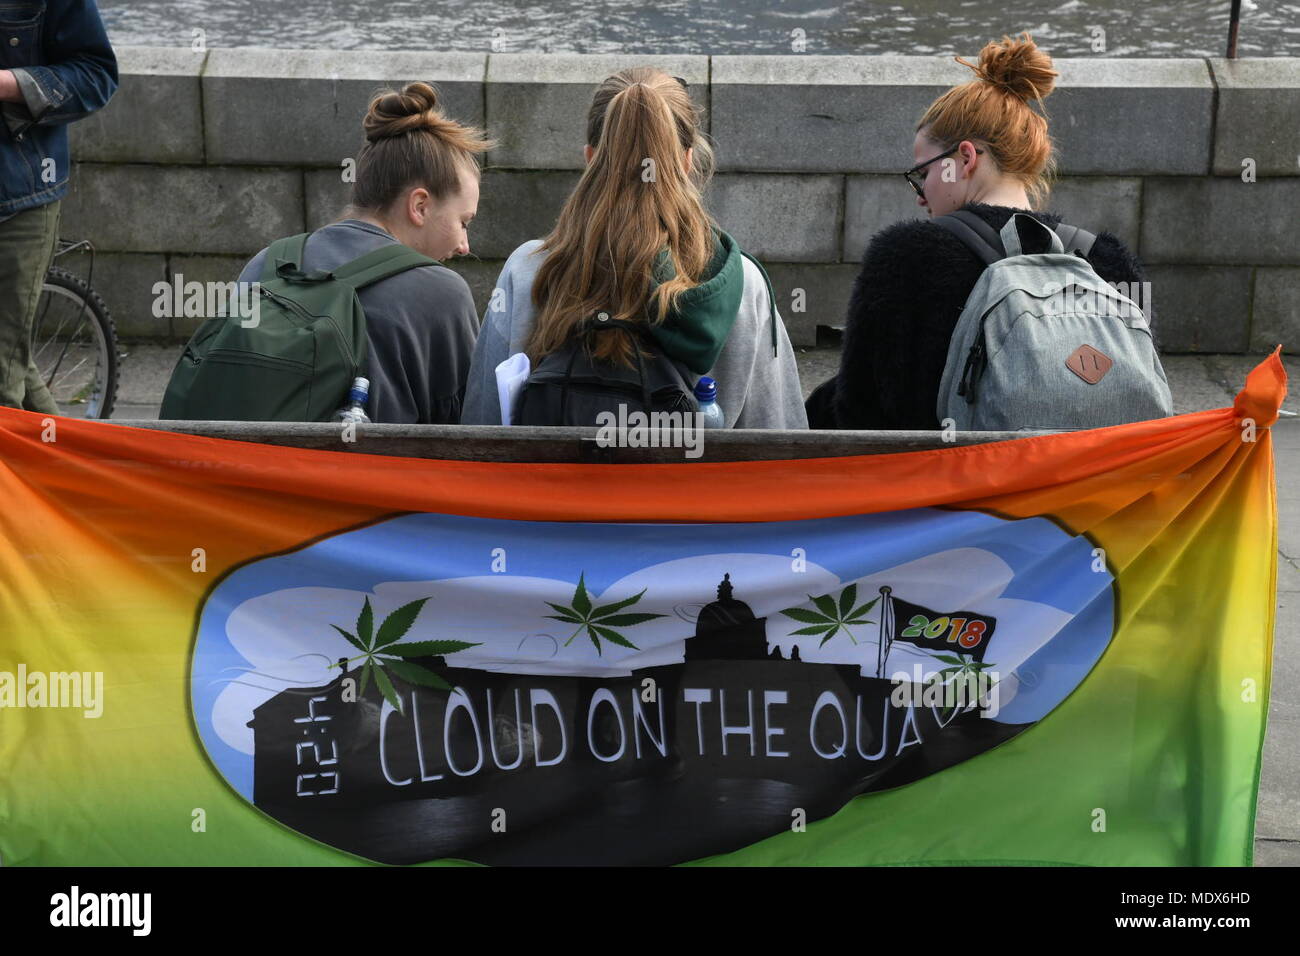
x=914 y=281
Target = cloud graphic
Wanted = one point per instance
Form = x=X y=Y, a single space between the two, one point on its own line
x=285 y=637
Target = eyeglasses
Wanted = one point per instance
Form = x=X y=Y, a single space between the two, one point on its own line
x=916 y=177
x=685 y=85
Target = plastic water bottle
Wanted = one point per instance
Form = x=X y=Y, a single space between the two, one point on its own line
x=706 y=393
x=354 y=410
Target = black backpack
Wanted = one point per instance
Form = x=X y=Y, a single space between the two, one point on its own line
x=571 y=387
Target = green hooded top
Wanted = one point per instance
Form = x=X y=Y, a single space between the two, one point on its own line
x=696 y=328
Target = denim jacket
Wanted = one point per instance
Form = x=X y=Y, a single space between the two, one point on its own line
x=59 y=53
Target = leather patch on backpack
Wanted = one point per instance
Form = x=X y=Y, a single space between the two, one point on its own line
x=1089 y=364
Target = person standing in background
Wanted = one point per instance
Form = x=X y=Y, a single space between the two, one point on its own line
x=56 y=66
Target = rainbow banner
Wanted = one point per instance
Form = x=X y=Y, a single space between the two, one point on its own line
x=1053 y=650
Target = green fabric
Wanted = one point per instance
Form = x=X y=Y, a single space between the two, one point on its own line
x=295 y=359
x=696 y=328
x=27 y=241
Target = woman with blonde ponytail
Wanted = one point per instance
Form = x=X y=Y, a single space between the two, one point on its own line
x=635 y=243
x=982 y=147
x=417 y=183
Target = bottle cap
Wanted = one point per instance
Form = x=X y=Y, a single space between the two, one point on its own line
x=706 y=389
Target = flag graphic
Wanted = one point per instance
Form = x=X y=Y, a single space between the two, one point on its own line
x=225 y=653
x=966 y=632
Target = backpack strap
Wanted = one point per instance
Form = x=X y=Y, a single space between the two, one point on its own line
x=636 y=332
x=977 y=235
x=379 y=264
x=983 y=240
x=1013 y=237
x=287 y=251
x=1077 y=242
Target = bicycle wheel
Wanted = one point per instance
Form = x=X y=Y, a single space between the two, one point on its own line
x=74 y=345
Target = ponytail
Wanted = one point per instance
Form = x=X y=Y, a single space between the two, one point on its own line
x=635 y=215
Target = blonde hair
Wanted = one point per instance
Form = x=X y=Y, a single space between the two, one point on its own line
x=994 y=108
x=410 y=142
x=633 y=202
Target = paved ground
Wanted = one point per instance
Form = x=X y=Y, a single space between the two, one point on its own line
x=1198 y=382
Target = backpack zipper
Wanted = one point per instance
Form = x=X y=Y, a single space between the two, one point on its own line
x=307 y=316
x=974 y=368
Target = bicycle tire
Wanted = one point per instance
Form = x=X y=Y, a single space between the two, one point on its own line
x=95 y=307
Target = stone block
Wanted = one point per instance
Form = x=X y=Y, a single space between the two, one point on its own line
x=537 y=103
x=1220 y=221
x=481 y=277
x=859 y=114
x=808 y=296
x=184 y=269
x=156 y=115
x=815 y=113
x=1275 y=316
x=132 y=208
x=304 y=107
x=1258 y=115
x=782 y=218
x=125 y=281
x=1200 y=308
x=326 y=196
x=870 y=204
x=1100 y=204
x=1123 y=116
x=515 y=206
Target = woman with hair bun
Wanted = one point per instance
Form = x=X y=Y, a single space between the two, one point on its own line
x=417 y=183
x=983 y=147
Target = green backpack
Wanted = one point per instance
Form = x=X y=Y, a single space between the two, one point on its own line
x=291 y=354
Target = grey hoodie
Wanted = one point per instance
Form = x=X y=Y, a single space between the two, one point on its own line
x=756 y=388
x=419 y=323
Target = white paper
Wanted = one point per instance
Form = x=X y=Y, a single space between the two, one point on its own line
x=512 y=374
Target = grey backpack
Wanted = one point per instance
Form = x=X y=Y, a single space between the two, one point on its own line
x=1043 y=342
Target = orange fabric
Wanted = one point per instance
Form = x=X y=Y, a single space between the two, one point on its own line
x=745 y=491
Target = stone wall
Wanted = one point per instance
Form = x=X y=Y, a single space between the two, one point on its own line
x=203 y=158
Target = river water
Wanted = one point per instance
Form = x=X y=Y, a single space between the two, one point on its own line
x=1136 y=28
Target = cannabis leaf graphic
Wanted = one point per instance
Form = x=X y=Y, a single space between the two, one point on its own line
x=599 y=622
x=382 y=652
x=962 y=667
x=830 y=618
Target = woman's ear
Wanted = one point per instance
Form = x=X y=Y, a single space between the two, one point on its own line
x=587 y=153
x=418 y=203
x=969 y=158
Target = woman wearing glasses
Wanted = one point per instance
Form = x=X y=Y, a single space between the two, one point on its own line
x=634 y=241
x=981 y=147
